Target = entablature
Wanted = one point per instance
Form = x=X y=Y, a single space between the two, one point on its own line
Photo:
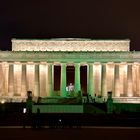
x=70 y=56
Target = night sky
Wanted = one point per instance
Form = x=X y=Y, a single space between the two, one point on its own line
x=96 y=19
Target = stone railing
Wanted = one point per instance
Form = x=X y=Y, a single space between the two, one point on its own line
x=19 y=99
x=126 y=100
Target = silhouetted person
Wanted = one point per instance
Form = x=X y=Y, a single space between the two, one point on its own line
x=39 y=100
x=91 y=99
x=24 y=115
x=51 y=121
x=87 y=98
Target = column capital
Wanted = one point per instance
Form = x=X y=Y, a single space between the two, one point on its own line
x=43 y=63
x=95 y=63
x=77 y=64
x=103 y=64
x=63 y=64
x=90 y=64
x=123 y=63
x=110 y=62
x=49 y=63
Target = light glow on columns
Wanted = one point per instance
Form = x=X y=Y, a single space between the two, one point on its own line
x=138 y=79
x=123 y=77
x=2 y=101
x=129 y=81
x=97 y=78
x=135 y=78
x=43 y=78
x=17 y=78
x=110 y=76
x=30 y=76
x=116 y=81
x=4 y=80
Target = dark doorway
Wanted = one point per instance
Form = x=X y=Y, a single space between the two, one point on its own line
x=83 y=79
x=70 y=75
x=57 y=74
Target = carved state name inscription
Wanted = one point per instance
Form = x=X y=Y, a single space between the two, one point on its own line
x=72 y=45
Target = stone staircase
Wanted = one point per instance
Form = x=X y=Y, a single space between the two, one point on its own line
x=95 y=108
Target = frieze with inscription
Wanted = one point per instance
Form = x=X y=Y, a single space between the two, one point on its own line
x=69 y=56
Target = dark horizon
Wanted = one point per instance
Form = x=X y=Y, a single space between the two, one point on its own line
x=69 y=19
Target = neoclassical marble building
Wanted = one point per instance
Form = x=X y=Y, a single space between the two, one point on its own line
x=109 y=66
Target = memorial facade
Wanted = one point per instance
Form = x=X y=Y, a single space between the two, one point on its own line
x=110 y=67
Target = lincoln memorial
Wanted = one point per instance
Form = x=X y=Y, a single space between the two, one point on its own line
x=52 y=67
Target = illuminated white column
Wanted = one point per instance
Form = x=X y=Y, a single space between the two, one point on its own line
x=90 y=80
x=5 y=69
x=136 y=79
x=63 y=80
x=37 y=85
x=1 y=78
x=129 y=81
x=116 y=81
x=11 y=80
x=103 y=81
x=110 y=77
x=97 y=78
x=134 y=75
x=43 y=81
x=47 y=81
x=50 y=80
x=17 y=78
x=30 y=73
x=123 y=78
x=24 y=81
x=77 y=84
